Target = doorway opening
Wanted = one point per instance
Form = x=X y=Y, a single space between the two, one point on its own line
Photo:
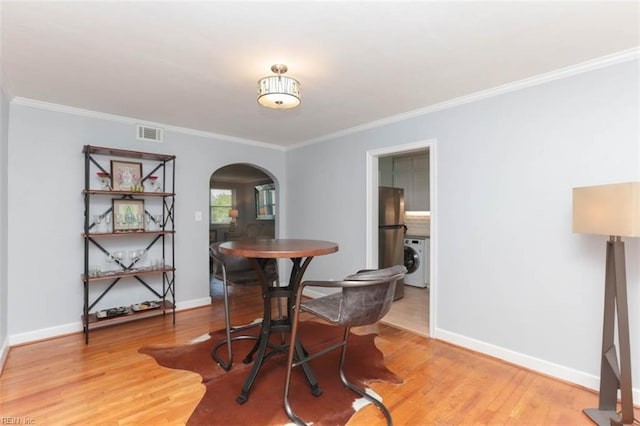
x=243 y=204
x=416 y=310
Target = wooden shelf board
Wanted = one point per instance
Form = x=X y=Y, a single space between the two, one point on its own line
x=126 y=153
x=120 y=234
x=145 y=194
x=131 y=315
x=167 y=268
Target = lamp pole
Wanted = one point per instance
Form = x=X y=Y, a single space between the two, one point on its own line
x=612 y=375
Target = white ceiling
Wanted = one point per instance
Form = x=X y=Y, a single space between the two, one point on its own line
x=195 y=64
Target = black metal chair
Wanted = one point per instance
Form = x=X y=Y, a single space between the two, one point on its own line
x=364 y=299
x=235 y=270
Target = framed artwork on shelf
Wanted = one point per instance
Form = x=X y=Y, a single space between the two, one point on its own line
x=125 y=175
x=128 y=215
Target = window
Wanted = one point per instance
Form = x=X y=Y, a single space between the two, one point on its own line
x=221 y=202
x=265 y=201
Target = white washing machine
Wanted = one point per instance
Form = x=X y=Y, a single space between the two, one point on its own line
x=416 y=260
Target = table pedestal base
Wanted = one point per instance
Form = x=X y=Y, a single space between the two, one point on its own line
x=603 y=417
x=270 y=325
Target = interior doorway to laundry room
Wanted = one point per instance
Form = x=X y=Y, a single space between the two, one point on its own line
x=410 y=168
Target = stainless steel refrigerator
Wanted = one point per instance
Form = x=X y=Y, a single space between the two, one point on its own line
x=391 y=231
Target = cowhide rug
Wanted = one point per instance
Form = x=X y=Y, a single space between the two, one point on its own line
x=364 y=364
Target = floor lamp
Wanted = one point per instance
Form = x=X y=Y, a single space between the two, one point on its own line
x=612 y=210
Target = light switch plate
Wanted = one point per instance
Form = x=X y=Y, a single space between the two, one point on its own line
x=198 y=216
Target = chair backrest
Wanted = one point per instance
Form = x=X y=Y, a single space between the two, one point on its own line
x=239 y=270
x=366 y=304
x=231 y=263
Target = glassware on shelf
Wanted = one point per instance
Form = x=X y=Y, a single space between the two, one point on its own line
x=154 y=184
x=133 y=257
x=136 y=257
x=158 y=264
x=119 y=256
x=158 y=220
x=107 y=222
x=97 y=223
x=94 y=271
x=111 y=259
x=105 y=180
x=142 y=254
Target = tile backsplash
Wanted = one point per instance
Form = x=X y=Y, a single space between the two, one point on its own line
x=418 y=223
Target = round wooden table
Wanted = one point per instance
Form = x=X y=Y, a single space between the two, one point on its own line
x=278 y=248
x=301 y=252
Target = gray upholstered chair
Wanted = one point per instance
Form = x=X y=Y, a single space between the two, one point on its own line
x=235 y=270
x=364 y=299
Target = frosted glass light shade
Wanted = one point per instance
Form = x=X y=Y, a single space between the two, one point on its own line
x=607 y=209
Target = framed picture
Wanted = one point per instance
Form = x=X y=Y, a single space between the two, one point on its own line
x=128 y=215
x=265 y=201
x=125 y=175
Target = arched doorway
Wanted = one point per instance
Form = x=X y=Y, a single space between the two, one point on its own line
x=243 y=203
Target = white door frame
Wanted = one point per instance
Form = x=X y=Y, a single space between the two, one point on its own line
x=372 y=213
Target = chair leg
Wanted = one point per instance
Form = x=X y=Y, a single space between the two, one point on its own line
x=290 y=359
x=276 y=283
x=226 y=366
x=356 y=389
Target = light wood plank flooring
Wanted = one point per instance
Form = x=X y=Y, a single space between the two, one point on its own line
x=410 y=312
x=62 y=381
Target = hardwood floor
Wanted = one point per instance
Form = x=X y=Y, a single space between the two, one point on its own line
x=411 y=312
x=63 y=381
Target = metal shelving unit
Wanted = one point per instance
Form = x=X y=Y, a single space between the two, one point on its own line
x=158 y=279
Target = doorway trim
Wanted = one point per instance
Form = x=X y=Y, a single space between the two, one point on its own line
x=371 y=233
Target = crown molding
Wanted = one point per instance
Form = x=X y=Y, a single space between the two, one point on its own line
x=593 y=64
x=129 y=120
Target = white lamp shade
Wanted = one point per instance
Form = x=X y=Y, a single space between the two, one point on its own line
x=607 y=209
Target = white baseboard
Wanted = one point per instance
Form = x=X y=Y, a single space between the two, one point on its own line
x=195 y=303
x=547 y=368
x=76 y=327
x=4 y=351
x=44 y=333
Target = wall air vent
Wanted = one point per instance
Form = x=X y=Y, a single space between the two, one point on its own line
x=148 y=133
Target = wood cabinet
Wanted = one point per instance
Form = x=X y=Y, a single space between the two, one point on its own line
x=129 y=234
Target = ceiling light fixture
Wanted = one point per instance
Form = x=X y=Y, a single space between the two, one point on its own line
x=278 y=91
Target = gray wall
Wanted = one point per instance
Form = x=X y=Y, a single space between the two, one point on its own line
x=511 y=278
x=46 y=251
x=4 y=143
